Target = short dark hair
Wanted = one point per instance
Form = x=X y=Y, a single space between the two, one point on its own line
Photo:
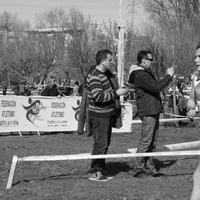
x=198 y=46
x=142 y=54
x=102 y=55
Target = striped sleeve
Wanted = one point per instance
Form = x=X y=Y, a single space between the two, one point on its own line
x=100 y=89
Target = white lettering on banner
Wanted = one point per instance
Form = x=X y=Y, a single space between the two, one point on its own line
x=57 y=114
x=8 y=114
x=5 y=103
x=9 y=123
x=58 y=105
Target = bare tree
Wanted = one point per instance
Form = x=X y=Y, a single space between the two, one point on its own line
x=177 y=22
x=56 y=17
x=80 y=51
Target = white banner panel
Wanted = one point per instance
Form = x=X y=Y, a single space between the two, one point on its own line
x=19 y=113
x=37 y=113
x=127 y=114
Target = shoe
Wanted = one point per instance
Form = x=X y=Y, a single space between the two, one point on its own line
x=98 y=176
x=138 y=173
x=80 y=133
x=89 y=134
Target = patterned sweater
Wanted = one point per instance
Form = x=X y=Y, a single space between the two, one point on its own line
x=100 y=94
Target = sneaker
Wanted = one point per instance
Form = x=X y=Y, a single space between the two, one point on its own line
x=153 y=173
x=138 y=173
x=98 y=176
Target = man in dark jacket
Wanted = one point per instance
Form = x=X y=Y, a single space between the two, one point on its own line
x=51 y=88
x=149 y=106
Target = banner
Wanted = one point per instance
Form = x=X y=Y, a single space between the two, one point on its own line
x=38 y=113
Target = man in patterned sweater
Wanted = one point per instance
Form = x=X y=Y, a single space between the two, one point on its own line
x=102 y=108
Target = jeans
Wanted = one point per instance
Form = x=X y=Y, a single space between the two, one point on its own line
x=102 y=129
x=147 y=143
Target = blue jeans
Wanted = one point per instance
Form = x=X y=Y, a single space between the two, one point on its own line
x=102 y=129
x=147 y=143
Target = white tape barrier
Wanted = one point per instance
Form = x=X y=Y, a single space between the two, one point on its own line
x=164 y=120
x=173 y=147
x=86 y=157
x=126 y=155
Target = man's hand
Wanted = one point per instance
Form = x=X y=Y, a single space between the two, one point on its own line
x=191 y=114
x=171 y=70
x=122 y=91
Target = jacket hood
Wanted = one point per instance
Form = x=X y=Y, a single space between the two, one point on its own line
x=134 y=68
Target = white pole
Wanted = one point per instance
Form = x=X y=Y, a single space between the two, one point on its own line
x=173 y=147
x=121 y=44
x=127 y=155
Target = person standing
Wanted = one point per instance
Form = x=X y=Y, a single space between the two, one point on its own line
x=4 y=90
x=149 y=106
x=76 y=86
x=193 y=101
x=51 y=88
x=21 y=89
x=102 y=108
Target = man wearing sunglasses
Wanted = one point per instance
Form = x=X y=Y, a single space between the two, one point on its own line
x=149 y=106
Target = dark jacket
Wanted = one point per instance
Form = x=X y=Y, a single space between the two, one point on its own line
x=50 y=91
x=147 y=90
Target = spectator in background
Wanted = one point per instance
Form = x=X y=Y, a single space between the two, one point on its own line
x=27 y=90
x=16 y=89
x=149 y=106
x=76 y=87
x=51 y=88
x=4 y=90
x=22 y=88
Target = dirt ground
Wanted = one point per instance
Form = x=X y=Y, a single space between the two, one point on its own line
x=68 y=180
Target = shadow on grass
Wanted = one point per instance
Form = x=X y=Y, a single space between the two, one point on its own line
x=113 y=168
x=163 y=164
x=53 y=177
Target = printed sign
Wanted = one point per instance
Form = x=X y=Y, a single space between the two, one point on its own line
x=20 y=113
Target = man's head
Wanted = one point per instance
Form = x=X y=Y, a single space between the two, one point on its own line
x=145 y=58
x=51 y=81
x=197 y=58
x=104 y=59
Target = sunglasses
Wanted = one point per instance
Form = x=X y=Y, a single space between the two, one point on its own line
x=150 y=59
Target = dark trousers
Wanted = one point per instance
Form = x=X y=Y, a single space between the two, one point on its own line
x=102 y=129
x=147 y=143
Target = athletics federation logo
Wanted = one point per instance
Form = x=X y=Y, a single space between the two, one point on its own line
x=77 y=109
x=33 y=110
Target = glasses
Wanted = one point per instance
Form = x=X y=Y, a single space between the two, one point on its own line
x=150 y=59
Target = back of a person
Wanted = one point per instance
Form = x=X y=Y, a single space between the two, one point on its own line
x=21 y=89
x=149 y=103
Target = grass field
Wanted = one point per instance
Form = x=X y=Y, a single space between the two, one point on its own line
x=68 y=180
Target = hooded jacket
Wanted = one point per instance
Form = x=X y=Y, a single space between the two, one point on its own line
x=147 y=90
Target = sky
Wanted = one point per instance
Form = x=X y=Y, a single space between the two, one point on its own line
x=99 y=10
